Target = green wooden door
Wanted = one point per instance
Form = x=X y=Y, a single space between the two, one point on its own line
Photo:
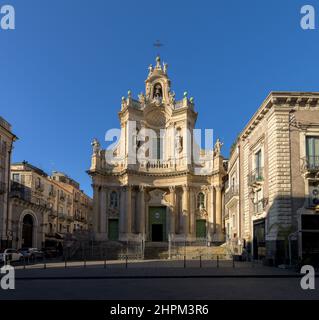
x=157 y=223
x=113 y=229
x=200 y=228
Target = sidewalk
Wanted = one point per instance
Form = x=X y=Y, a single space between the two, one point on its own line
x=149 y=269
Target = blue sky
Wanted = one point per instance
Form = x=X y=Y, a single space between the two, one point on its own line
x=68 y=63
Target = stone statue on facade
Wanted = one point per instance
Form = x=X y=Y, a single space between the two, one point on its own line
x=96 y=146
x=141 y=98
x=150 y=69
x=165 y=66
x=172 y=97
x=218 y=147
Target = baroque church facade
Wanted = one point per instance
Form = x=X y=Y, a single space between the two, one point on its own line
x=169 y=196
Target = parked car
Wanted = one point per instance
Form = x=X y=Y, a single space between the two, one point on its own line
x=31 y=253
x=50 y=252
x=10 y=255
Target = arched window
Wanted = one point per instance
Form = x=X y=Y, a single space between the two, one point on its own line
x=157 y=92
x=113 y=200
x=201 y=201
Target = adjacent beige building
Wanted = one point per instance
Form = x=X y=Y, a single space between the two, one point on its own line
x=43 y=209
x=161 y=197
x=272 y=195
x=6 y=145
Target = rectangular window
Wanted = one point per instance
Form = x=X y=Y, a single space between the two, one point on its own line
x=258 y=172
x=312 y=151
x=16 y=177
x=258 y=160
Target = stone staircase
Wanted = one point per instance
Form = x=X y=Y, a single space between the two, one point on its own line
x=113 y=250
x=161 y=251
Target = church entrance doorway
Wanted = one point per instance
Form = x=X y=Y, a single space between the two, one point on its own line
x=113 y=229
x=200 y=228
x=157 y=221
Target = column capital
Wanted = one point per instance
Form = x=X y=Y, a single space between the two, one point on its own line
x=172 y=189
x=142 y=187
x=185 y=188
x=218 y=187
x=96 y=187
x=126 y=188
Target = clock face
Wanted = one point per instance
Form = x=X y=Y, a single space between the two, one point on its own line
x=157 y=215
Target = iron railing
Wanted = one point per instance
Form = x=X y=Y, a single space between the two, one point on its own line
x=256 y=176
x=233 y=191
x=310 y=163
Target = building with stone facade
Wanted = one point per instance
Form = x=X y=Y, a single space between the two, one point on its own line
x=44 y=209
x=7 y=139
x=272 y=194
x=169 y=195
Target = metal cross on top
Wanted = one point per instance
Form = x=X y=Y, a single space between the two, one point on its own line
x=158 y=44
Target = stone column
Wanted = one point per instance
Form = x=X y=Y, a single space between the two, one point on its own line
x=211 y=213
x=102 y=219
x=173 y=210
x=141 y=215
x=96 y=209
x=185 y=209
x=218 y=223
x=192 y=205
x=129 y=210
x=122 y=210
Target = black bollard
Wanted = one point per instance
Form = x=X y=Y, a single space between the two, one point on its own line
x=126 y=262
x=217 y=261
x=184 y=261
x=65 y=262
x=200 y=261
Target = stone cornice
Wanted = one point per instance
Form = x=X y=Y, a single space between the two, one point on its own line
x=286 y=99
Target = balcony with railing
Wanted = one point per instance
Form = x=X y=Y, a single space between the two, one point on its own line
x=39 y=187
x=256 y=177
x=20 y=191
x=232 y=192
x=52 y=193
x=310 y=164
x=62 y=216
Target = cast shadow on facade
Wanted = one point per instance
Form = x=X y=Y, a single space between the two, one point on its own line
x=287 y=234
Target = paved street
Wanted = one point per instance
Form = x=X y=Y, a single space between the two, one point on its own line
x=157 y=280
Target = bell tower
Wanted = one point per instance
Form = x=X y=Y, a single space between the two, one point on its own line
x=157 y=84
